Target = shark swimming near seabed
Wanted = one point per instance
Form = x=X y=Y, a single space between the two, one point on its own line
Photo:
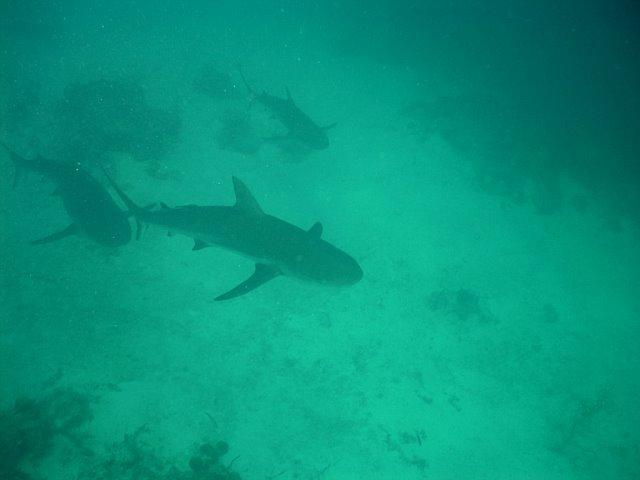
x=298 y=124
x=277 y=247
x=93 y=212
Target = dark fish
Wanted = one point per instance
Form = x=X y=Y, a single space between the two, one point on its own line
x=277 y=247
x=93 y=212
x=298 y=124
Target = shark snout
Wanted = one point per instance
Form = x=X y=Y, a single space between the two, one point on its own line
x=355 y=274
x=322 y=143
x=350 y=273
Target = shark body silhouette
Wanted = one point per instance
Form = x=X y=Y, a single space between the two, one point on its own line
x=276 y=246
x=94 y=214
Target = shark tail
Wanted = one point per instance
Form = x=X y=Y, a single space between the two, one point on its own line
x=134 y=209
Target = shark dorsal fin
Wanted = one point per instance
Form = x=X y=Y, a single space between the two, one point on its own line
x=289 y=97
x=316 y=230
x=244 y=198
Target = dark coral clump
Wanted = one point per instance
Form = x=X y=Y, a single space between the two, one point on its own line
x=461 y=304
x=105 y=116
x=135 y=459
x=31 y=429
x=236 y=134
x=215 y=83
x=206 y=465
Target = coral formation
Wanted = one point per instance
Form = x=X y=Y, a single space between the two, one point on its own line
x=462 y=304
x=31 y=429
x=214 y=83
x=35 y=428
x=236 y=134
x=135 y=459
x=106 y=116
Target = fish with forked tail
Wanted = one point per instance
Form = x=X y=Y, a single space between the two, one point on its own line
x=298 y=124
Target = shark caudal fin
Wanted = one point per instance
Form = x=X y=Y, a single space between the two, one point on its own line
x=134 y=209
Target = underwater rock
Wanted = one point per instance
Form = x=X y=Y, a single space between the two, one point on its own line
x=20 y=106
x=292 y=150
x=236 y=134
x=462 y=304
x=496 y=138
x=214 y=83
x=107 y=116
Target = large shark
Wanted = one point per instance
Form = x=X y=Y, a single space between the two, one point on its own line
x=277 y=247
x=93 y=212
x=298 y=124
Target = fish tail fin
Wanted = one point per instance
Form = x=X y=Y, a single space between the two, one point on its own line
x=134 y=209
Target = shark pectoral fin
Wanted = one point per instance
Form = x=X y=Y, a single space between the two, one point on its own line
x=70 y=230
x=199 y=245
x=316 y=230
x=329 y=127
x=262 y=274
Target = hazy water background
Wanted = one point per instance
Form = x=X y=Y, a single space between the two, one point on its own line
x=483 y=171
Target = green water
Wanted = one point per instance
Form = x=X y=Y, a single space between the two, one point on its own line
x=483 y=172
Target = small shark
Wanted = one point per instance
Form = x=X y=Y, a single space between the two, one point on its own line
x=93 y=212
x=277 y=247
x=298 y=124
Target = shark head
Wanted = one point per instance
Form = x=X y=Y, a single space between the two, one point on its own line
x=340 y=270
x=318 y=140
x=325 y=263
